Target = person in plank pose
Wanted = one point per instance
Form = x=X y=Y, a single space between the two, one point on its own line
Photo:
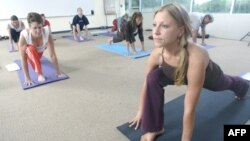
x=129 y=31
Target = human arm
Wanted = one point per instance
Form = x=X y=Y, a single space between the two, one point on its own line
x=86 y=23
x=203 y=34
x=153 y=62
x=53 y=56
x=141 y=37
x=22 y=44
x=129 y=33
x=22 y=25
x=198 y=61
x=9 y=32
x=47 y=23
x=195 y=35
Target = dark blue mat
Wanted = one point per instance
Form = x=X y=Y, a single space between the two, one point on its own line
x=214 y=110
x=48 y=71
x=120 y=49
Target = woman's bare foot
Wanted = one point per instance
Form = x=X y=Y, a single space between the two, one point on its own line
x=150 y=136
x=81 y=38
x=41 y=78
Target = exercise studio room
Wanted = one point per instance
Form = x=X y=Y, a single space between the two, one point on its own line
x=125 y=70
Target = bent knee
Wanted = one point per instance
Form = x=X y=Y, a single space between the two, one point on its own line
x=154 y=76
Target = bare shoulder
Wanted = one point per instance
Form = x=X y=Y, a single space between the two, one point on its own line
x=154 y=58
x=197 y=54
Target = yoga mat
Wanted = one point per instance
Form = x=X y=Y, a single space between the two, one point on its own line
x=98 y=31
x=48 y=71
x=207 y=46
x=72 y=38
x=120 y=49
x=214 y=110
x=246 y=76
x=14 y=49
x=110 y=34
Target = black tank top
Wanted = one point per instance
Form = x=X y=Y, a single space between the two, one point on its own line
x=213 y=73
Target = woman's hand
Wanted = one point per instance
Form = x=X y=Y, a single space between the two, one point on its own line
x=60 y=75
x=136 y=121
x=28 y=82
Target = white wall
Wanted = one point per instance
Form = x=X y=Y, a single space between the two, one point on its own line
x=21 y=8
x=62 y=23
x=229 y=26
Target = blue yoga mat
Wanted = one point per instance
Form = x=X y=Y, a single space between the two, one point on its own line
x=78 y=39
x=120 y=49
x=214 y=110
x=48 y=71
x=208 y=46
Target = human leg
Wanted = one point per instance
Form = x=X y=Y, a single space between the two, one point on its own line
x=234 y=83
x=79 y=30
x=74 y=32
x=153 y=110
x=34 y=57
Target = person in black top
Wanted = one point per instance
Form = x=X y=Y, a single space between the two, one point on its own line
x=177 y=61
x=80 y=21
x=129 y=31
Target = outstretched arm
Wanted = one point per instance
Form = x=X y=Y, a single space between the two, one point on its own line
x=9 y=32
x=196 y=76
x=53 y=56
x=141 y=37
x=203 y=37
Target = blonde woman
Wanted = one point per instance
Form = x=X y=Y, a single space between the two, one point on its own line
x=175 y=61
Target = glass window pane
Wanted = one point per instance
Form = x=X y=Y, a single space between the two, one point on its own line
x=212 y=6
x=242 y=6
x=150 y=5
x=135 y=3
x=184 y=3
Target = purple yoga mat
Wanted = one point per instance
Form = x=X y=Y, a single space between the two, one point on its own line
x=207 y=46
x=78 y=39
x=48 y=71
x=110 y=34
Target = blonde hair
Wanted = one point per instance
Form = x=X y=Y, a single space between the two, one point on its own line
x=181 y=17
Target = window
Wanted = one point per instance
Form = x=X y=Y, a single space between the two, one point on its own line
x=150 y=5
x=212 y=6
x=185 y=3
x=241 y=6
